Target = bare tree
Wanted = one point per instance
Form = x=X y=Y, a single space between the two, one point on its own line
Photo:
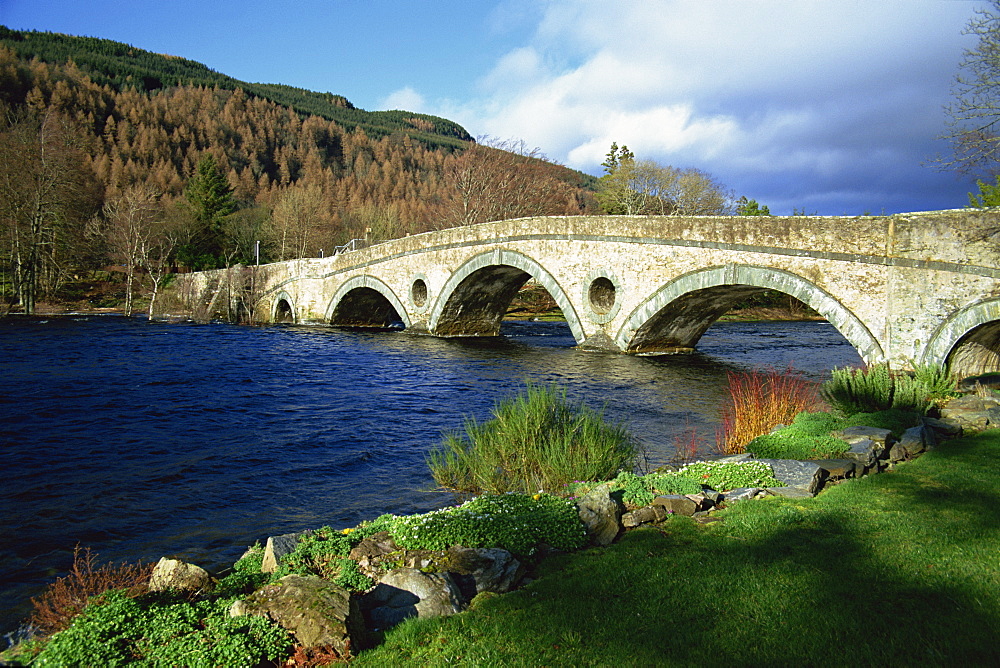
x=974 y=115
x=299 y=212
x=46 y=195
x=129 y=227
x=501 y=179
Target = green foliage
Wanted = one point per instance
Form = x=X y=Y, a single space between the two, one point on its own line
x=246 y=575
x=155 y=630
x=745 y=207
x=211 y=199
x=940 y=383
x=515 y=522
x=895 y=420
x=641 y=490
x=807 y=437
x=724 y=476
x=537 y=440
x=876 y=388
x=989 y=195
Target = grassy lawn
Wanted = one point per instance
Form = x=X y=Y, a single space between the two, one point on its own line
x=896 y=569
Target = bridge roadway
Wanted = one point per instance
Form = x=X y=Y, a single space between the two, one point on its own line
x=905 y=288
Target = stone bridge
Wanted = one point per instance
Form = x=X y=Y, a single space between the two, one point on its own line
x=905 y=288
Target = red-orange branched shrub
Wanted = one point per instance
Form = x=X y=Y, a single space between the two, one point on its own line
x=758 y=401
x=66 y=597
x=310 y=657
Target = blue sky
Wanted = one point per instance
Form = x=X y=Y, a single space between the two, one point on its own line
x=828 y=107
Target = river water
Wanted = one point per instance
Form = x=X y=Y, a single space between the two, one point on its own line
x=143 y=439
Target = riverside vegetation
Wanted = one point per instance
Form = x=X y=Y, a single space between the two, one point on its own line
x=886 y=569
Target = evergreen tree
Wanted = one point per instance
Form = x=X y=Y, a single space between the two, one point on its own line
x=989 y=195
x=210 y=199
x=745 y=207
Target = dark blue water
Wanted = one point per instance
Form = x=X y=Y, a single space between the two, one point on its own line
x=143 y=439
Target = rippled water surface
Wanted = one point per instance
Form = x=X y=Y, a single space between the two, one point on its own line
x=148 y=439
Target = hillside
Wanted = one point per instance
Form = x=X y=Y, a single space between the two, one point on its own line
x=122 y=66
x=136 y=136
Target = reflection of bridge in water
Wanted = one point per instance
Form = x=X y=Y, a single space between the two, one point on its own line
x=921 y=287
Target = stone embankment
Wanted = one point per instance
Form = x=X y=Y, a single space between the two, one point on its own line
x=424 y=583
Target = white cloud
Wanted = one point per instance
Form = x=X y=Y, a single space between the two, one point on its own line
x=404 y=98
x=793 y=94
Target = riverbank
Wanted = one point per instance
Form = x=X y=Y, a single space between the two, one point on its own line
x=893 y=569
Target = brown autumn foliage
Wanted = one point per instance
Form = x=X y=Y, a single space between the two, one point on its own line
x=278 y=162
x=67 y=596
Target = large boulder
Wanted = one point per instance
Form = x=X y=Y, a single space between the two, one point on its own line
x=476 y=570
x=601 y=514
x=677 y=504
x=316 y=611
x=806 y=476
x=407 y=592
x=176 y=575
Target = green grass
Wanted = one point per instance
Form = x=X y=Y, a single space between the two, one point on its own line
x=537 y=440
x=897 y=569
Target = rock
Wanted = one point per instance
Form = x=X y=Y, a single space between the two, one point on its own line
x=370 y=550
x=478 y=570
x=987 y=380
x=376 y=545
x=712 y=495
x=944 y=428
x=852 y=435
x=972 y=402
x=837 y=469
x=790 y=492
x=742 y=457
x=793 y=473
x=277 y=547
x=173 y=574
x=897 y=453
x=917 y=439
x=675 y=504
x=407 y=592
x=741 y=494
x=316 y=611
x=601 y=514
x=643 y=515
x=865 y=454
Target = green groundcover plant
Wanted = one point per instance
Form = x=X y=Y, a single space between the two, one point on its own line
x=640 y=490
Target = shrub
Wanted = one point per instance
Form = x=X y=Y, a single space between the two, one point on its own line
x=116 y=630
x=67 y=596
x=758 y=401
x=537 y=440
x=876 y=388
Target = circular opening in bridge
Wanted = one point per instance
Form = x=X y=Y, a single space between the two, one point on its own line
x=601 y=295
x=418 y=292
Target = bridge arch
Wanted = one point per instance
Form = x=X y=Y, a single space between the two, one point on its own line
x=365 y=301
x=677 y=314
x=968 y=341
x=283 y=308
x=474 y=299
